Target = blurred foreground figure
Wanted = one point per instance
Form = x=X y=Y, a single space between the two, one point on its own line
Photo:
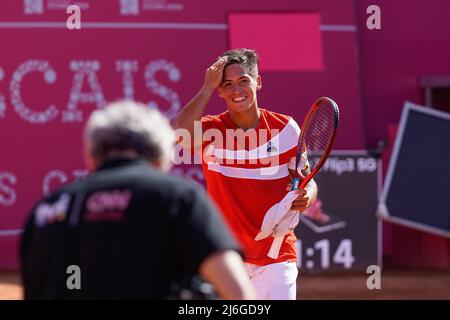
x=129 y=230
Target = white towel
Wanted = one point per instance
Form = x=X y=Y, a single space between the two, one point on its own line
x=279 y=221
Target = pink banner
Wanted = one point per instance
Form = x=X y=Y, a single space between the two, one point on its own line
x=154 y=51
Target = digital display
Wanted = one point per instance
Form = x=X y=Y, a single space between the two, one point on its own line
x=284 y=41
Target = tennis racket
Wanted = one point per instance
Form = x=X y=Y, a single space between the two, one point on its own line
x=316 y=141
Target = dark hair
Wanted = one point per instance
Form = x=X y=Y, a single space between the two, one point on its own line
x=246 y=57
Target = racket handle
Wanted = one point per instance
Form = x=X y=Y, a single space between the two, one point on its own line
x=295 y=183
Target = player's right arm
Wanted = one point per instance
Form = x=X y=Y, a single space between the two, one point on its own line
x=194 y=109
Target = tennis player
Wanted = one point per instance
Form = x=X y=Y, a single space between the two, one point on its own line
x=248 y=157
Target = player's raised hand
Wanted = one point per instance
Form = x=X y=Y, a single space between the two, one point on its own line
x=214 y=73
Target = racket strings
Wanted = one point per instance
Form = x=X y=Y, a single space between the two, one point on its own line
x=318 y=133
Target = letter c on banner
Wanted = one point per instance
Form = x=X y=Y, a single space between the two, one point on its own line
x=55 y=174
x=33 y=117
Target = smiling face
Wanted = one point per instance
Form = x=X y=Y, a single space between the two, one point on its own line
x=238 y=88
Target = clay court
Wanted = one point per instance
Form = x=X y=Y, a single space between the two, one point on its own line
x=395 y=285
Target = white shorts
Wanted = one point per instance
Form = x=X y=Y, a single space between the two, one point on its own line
x=276 y=281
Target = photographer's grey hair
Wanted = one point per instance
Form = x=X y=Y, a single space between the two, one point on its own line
x=127 y=125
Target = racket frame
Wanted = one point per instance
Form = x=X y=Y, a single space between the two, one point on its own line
x=330 y=142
